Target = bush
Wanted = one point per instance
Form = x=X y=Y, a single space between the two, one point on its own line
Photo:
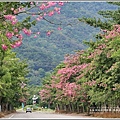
x=35 y=107
x=30 y=106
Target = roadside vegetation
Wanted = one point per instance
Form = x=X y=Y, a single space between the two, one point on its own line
x=86 y=81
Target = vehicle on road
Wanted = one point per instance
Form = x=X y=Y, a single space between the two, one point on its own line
x=28 y=110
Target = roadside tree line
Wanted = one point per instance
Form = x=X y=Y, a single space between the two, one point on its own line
x=13 y=71
x=89 y=78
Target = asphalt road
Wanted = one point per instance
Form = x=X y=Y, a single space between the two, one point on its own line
x=44 y=115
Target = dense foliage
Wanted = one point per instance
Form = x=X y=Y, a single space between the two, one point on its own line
x=86 y=77
x=44 y=53
x=89 y=77
x=13 y=71
x=112 y=18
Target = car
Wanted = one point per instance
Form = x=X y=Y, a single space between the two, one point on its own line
x=28 y=110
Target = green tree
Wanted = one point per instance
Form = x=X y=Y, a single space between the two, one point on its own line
x=13 y=73
x=112 y=17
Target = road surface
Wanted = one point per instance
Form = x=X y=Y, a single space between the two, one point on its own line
x=44 y=115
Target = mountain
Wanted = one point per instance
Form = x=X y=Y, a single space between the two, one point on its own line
x=44 y=53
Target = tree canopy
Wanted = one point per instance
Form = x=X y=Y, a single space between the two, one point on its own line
x=88 y=77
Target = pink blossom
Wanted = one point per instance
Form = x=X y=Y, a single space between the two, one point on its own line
x=38 y=19
x=12 y=9
x=48 y=33
x=10 y=17
x=41 y=17
x=38 y=33
x=50 y=4
x=57 y=9
x=26 y=31
x=60 y=3
x=59 y=28
x=80 y=76
x=16 y=11
x=42 y=7
x=35 y=36
x=9 y=35
x=44 y=94
x=13 y=46
x=58 y=86
x=14 y=22
x=45 y=14
x=31 y=3
x=20 y=36
x=20 y=9
x=4 y=47
x=50 y=13
x=16 y=30
x=105 y=31
x=16 y=44
x=115 y=32
x=118 y=30
x=114 y=89
x=70 y=89
x=58 y=12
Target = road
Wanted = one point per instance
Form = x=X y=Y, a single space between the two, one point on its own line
x=44 y=115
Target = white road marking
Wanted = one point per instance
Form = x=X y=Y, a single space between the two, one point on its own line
x=11 y=116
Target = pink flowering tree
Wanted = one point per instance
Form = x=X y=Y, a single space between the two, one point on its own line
x=67 y=84
x=11 y=26
x=104 y=73
x=90 y=76
x=12 y=31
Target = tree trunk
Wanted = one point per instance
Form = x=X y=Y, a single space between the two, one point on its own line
x=61 y=107
x=83 y=109
x=78 y=110
x=3 y=107
x=0 y=104
x=72 y=105
x=70 y=108
x=65 y=108
x=88 y=110
x=10 y=107
x=6 y=106
x=48 y=104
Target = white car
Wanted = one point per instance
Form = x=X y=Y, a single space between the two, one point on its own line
x=28 y=110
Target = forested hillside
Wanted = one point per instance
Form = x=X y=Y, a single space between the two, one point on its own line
x=43 y=52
